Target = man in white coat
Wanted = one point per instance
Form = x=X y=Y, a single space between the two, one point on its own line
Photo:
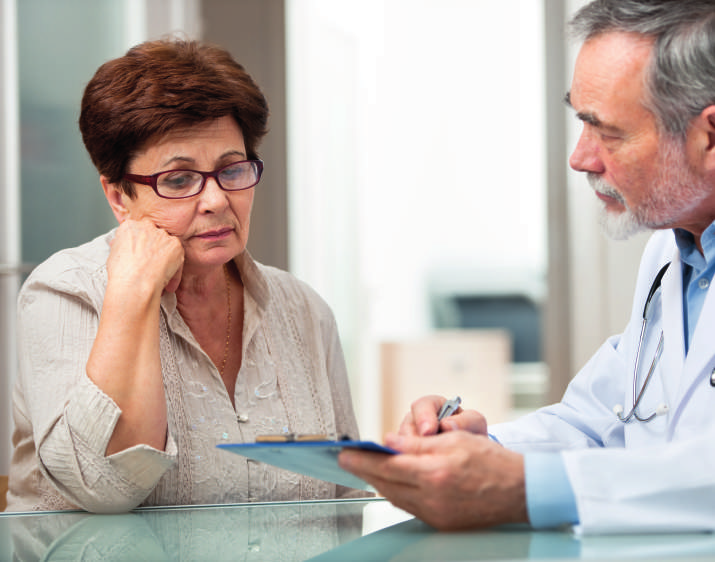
x=631 y=446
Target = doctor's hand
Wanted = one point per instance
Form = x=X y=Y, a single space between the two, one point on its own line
x=421 y=420
x=455 y=480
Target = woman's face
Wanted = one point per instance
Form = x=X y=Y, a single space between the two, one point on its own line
x=213 y=225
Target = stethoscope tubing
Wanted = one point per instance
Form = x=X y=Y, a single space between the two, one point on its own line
x=638 y=395
x=633 y=413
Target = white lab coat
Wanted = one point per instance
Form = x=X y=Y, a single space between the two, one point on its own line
x=638 y=477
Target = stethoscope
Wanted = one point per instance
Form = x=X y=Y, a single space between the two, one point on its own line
x=662 y=408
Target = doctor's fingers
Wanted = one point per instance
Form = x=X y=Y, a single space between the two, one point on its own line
x=405 y=469
x=422 y=417
x=402 y=495
x=420 y=458
x=368 y=466
x=480 y=485
x=440 y=444
x=430 y=491
x=407 y=426
x=465 y=420
x=431 y=510
x=423 y=460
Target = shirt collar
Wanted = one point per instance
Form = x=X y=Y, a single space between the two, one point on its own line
x=689 y=252
x=254 y=282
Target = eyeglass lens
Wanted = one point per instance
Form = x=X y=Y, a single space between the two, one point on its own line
x=184 y=183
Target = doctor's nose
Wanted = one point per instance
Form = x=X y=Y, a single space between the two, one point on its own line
x=585 y=156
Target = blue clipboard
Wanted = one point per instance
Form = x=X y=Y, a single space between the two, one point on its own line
x=317 y=459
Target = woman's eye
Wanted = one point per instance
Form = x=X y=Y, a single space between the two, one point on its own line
x=232 y=173
x=177 y=180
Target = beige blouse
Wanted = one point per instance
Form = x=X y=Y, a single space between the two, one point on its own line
x=292 y=379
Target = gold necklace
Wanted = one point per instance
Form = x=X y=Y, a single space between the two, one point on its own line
x=228 y=327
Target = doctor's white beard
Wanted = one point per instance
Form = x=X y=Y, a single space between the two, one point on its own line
x=676 y=192
x=618 y=226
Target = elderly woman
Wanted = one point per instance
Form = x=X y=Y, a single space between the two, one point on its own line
x=144 y=348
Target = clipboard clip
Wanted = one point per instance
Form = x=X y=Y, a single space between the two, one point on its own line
x=299 y=437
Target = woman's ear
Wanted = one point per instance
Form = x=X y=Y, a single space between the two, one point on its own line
x=116 y=199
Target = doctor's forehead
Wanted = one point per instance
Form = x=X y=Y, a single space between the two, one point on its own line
x=610 y=72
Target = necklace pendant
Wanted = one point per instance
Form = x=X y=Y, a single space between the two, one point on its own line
x=242 y=418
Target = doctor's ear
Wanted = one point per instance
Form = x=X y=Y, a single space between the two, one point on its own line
x=700 y=142
x=705 y=123
x=116 y=199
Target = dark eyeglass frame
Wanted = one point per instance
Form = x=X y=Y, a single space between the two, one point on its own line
x=152 y=179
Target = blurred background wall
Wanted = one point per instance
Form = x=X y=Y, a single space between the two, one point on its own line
x=416 y=176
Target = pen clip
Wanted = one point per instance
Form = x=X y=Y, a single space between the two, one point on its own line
x=449 y=408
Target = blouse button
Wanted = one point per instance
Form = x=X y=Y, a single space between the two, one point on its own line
x=703 y=283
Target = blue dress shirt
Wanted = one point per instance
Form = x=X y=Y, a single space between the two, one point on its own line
x=698 y=272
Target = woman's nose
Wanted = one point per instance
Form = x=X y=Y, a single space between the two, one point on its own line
x=212 y=196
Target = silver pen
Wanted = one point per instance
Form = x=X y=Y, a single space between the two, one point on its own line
x=449 y=408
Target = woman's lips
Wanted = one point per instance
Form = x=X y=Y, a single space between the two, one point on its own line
x=216 y=234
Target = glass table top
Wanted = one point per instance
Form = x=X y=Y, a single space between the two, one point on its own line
x=327 y=530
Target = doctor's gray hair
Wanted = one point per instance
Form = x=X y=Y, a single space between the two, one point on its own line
x=680 y=81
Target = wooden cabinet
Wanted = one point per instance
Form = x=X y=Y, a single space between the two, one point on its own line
x=472 y=364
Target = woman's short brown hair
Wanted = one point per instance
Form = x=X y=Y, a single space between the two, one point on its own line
x=160 y=86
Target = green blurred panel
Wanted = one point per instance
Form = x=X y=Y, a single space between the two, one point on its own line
x=60 y=45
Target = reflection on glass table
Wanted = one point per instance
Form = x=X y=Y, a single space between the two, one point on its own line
x=412 y=541
x=260 y=531
x=327 y=530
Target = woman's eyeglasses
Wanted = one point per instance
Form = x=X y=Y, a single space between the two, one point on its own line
x=179 y=184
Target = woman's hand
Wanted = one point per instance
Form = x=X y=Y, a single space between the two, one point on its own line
x=144 y=261
x=421 y=420
x=452 y=481
x=144 y=256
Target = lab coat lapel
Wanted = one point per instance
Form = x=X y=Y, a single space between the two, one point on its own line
x=673 y=357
